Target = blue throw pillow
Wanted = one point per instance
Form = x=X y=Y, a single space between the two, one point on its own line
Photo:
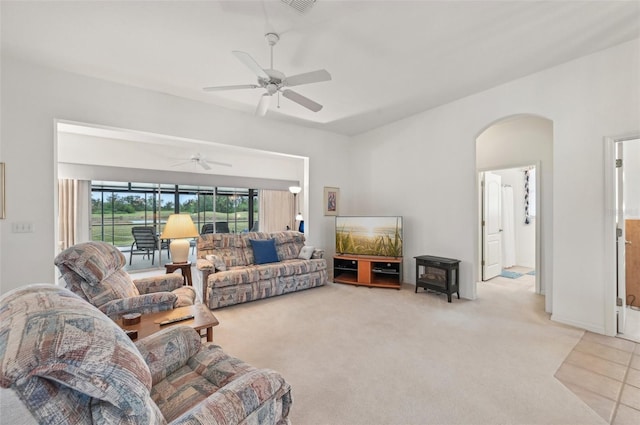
x=264 y=251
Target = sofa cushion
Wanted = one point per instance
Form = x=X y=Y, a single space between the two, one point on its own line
x=116 y=286
x=264 y=251
x=93 y=261
x=288 y=244
x=217 y=262
x=306 y=252
x=262 y=272
x=229 y=246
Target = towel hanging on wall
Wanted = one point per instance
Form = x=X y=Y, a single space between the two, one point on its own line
x=529 y=195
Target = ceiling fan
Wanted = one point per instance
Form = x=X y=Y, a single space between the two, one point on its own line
x=274 y=81
x=198 y=159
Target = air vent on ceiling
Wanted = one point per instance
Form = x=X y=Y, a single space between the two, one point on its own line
x=300 y=6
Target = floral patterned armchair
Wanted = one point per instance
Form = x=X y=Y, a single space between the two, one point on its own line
x=71 y=364
x=94 y=271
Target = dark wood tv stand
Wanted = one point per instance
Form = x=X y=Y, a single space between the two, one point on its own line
x=365 y=270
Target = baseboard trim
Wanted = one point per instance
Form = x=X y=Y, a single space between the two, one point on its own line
x=592 y=327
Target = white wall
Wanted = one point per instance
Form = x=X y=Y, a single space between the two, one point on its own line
x=33 y=97
x=525 y=234
x=423 y=167
x=631 y=187
x=432 y=157
x=173 y=156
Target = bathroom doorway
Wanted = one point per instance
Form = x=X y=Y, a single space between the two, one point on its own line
x=508 y=223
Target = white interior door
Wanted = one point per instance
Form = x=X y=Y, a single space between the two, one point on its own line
x=620 y=242
x=491 y=226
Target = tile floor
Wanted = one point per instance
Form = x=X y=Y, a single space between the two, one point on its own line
x=605 y=373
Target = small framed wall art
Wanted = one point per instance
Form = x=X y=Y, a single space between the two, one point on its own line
x=331 y=200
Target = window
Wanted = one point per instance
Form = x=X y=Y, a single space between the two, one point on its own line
x=117 y=206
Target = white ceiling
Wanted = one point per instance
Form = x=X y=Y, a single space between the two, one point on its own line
x=388 y=59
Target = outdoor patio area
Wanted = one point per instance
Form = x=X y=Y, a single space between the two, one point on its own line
x=141 y=262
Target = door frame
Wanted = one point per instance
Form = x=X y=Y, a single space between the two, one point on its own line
x=610 y=238
x=539 y=288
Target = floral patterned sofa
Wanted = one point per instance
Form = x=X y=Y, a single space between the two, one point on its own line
x=232 y=272
x=94 y=271
x=70 y=364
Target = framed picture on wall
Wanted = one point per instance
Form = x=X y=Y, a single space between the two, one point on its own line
x=331 y=200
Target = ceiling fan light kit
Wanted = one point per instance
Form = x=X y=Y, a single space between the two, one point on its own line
x=274 y=81
x=300 y=6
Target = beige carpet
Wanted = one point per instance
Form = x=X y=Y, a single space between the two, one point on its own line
x=376 y=356
x=357 y=355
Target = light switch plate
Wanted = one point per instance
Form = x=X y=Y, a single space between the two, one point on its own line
x=22 y=227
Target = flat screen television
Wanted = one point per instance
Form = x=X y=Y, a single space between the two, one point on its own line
x=366 y=235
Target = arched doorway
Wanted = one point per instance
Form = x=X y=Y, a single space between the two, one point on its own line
x=522 y=144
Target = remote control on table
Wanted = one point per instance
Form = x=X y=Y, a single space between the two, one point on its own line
x=176 y=319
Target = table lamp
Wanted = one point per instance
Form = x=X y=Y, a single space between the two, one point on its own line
x=179 y=227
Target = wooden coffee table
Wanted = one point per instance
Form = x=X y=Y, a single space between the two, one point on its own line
x=150 y=323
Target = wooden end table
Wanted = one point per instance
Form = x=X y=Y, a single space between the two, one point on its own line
x=185 y=268
x=203 y=319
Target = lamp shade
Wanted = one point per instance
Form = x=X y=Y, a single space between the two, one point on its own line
x=180 y=227
x=295 y=189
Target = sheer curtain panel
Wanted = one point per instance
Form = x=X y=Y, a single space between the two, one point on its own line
x=276 y=210
x=74 y=212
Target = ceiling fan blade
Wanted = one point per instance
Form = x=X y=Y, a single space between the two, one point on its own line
x=224 y=164
x=203 y=164
x=308 y=77
x=263 y=105
x=301 y=100
x=246 y=59
x=236 y=87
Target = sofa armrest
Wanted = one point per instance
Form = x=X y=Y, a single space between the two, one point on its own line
x=161 y=283
x=217 y=366
x=317 y=253
x=256 y=394
x=204 y=264
x=184 y=342
x=143 y=304
x=206 y=268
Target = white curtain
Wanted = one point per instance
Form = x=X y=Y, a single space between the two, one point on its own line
x=508 y=228
x=276 y=210
x=74 y=212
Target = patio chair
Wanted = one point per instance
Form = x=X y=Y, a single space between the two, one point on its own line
x=222 y=227
x=145 y=242
x=206 y=228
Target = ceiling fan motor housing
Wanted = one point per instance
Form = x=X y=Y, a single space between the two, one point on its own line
x=272 y=38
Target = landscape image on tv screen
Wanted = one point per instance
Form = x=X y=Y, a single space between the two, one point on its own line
x=379 y=236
